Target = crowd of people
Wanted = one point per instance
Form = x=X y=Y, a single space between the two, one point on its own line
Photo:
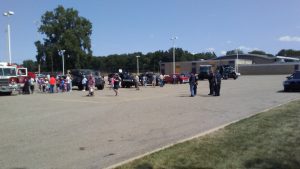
x=60 y=84
x=214 y=80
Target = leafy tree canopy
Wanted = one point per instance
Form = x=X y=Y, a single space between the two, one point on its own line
x=65 y=30
x=260 y=52
x=288 y=52
x=234 y=52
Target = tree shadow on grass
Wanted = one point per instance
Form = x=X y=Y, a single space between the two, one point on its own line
x=144 y=166
x=260 y=163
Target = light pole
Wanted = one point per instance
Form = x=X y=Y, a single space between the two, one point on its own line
x=61 y=52
x=237 y=60
x=37 y=38
x=173 y=39
x=8 y=13
x=137 y=65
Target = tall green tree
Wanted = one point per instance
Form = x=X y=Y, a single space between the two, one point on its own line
x=65 y=30
x=30 y=65
x=260 y=52
x=234 y=52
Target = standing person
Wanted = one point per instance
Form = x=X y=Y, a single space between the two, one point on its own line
x=57 y=84
x=137 y=80
x=91 y=85
x=117 y=81
x=68 y=82
x=32 y=84
x=71 y=78
x=211 y=82
x=52 y=82
x=26 y=86
x=153 y=80
x=62 y=84
x=144 y=80
x=161 y=80
x=174 y=79
x=217 y=82
x=83 y=82
x=196 y=85
x=192 y=82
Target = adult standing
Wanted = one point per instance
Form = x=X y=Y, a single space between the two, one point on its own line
x=26 y=87
x=117 y=81
x=83 y=82
x=137 y=80
x=144 y=80
x=52 y=84
x=161 y=80
x=32 y=84
x=196 y=85
x=211 y=82
x=174 y=79
x=192 y=82
x=68 y=82
x=217 y=82
x=153 y=80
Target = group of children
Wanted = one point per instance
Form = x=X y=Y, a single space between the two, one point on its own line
x=63 y=84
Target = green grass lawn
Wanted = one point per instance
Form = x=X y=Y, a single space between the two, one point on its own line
x=269 y=140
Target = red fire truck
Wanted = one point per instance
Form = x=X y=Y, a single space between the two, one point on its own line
x=12 y=78
x=8 y=79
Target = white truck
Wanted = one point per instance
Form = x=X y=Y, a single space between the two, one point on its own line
x=8 y=79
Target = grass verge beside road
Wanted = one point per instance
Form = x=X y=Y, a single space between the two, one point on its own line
x=270 y=140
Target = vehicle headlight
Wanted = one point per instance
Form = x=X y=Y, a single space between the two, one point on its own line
x=286 y=83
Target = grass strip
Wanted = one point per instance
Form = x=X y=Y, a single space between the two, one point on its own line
x=269 y=140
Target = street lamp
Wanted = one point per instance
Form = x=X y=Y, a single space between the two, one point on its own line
x=237 y=60
x=61 y=52
x=173 y=39
x=8 y=13
x=137 y=65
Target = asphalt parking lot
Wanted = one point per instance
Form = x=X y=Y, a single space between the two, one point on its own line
x=72 y=131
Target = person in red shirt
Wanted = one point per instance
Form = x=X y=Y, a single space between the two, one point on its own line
x=52 y=83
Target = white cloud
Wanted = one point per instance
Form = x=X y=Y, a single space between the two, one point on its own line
x=245 y=48
x=289 y=38
x=223 y=52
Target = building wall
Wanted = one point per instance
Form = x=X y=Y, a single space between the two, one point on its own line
x=269 y=69
x=256 y=59
x=194 y=66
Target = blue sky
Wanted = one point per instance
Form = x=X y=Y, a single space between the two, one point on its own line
x=126 y=26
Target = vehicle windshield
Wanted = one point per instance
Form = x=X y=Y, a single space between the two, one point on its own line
x=204 y=69
x=296 y=76
x=8 y=72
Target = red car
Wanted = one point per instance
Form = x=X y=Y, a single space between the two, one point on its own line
x=179 y=78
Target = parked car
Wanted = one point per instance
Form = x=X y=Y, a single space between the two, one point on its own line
x=229 y=72
x=77 y=75
x=127 y=80
x=293 y=82
x=180 y=78
x=149 y=78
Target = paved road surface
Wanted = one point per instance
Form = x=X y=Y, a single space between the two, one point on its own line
x=72 y=131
